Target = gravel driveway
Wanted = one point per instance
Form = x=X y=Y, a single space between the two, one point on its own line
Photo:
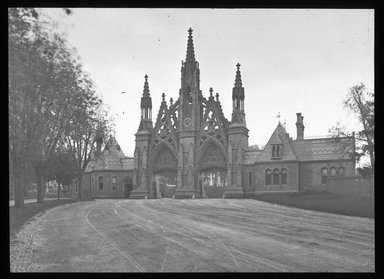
x=201 y=235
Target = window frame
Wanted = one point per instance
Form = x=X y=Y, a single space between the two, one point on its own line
x=268 y=177
x=285 y=175
x=276 y=175
x=324 y=177
x=335 y=172
x=114 y=184
x=338 y=171
x=101 y=183
x=277 y=151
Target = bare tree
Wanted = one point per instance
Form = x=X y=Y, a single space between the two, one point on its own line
x=361 y=103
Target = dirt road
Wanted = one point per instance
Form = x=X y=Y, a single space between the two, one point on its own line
x=170 y=235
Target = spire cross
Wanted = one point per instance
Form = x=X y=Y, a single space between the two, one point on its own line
x=163 y=95
x=211 y=91
x=238 y=66
x=146 y=77
x=171 y=101
x=190 y=31
x=217 y=97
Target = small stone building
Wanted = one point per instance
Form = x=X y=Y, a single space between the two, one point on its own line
x=108 y=175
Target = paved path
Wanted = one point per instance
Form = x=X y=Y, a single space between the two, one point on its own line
x=12 y=202
x=214 y=235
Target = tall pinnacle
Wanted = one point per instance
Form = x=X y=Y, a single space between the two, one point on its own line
x=238 y=90
x=146 y=100
x=190 y=50
x=238 y=77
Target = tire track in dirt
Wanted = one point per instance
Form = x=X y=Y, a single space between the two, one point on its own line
x=216 y=240
x=193 y=249
x=323 y=254
x=285 y=232
x=112 y=243
x=269 y=264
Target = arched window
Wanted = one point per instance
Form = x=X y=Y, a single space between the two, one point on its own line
x=333 y=171
x=284 y=174
x=276 y=177
x=101 y=183
x=268 y=177
x=341 y=171
x=114 y=183
x=324 y=175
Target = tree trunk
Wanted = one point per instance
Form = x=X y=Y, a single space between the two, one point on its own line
x=79 y=179
x=40 y=189
x=58 y=191
x=19 y=191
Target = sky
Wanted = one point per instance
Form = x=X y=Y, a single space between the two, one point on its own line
x=291 y=61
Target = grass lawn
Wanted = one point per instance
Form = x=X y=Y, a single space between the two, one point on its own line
x=359 y=205
x=18 y=216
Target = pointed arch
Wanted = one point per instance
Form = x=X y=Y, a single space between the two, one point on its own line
x=203 y=150
x=213 y=123
x=160 y=149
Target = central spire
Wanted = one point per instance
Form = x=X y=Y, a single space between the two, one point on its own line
x=190 y=50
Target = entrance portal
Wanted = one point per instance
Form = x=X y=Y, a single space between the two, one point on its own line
x=214 y=182
x=127 y=187
x=166 y=182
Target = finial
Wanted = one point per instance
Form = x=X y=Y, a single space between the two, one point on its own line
x=278 y=116
x=238 y=77
x=146 y=77
x=217 y=97
x=211 y=91
x=163 y=95
x=190 y=51
x=171 y=101
x=285 y=122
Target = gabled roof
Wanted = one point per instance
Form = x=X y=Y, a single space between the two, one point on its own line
x=279 y=136
x=111 y=158
x=324 y=149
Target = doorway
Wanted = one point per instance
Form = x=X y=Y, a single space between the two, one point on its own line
x=127 y=187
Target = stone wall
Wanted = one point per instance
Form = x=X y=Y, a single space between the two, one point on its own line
x=310 y=173
x=107 y=190
x=90 y=184
x=350 y=185
x=258 y=177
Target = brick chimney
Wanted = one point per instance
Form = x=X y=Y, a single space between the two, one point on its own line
x=300 y=126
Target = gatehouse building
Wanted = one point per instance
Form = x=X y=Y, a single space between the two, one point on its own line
x=191 y=150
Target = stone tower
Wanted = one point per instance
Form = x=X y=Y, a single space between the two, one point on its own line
x=189 y=122
x=237 y=139
x=143 y=138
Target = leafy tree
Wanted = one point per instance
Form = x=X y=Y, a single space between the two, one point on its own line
x=91 y=121
x=49 y=96
x=361 y=103
x=60 y=167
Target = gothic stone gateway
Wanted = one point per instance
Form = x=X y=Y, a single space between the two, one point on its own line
x=192 y=146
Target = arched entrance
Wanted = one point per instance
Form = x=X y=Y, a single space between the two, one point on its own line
x=165 y=183
x=164 y=178
x=212 y=171
x=213 y=182
x=127 y=187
